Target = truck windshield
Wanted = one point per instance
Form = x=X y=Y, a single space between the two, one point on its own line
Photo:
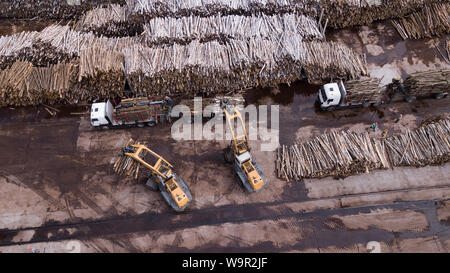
x=324 y=96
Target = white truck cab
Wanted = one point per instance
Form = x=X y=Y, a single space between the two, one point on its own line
x=101 y=114
x=331 y=95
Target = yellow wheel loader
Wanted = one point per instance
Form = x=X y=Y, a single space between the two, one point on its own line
x=238 y=153
x=162 y=177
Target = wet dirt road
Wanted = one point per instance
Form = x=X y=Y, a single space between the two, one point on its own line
x=57 y=185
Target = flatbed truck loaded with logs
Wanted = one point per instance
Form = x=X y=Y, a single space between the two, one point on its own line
x=367 y=92
x=138 y=112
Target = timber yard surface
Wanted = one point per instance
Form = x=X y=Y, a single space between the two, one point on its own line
x=58 y=184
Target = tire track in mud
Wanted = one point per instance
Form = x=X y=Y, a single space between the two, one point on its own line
x=323 y=237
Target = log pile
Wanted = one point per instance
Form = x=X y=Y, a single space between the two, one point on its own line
x=49 y=9
x=340 y=13
x=427 y=145
x=432 y=20
x=186 y=29
x=24 y=84
x=343 y=153
x=333 y=154
x=98 y=65
x=212 y=67
x=126 y=20
x=428 y=82
x=39 y=54
x=125 y=165
x=364 y=89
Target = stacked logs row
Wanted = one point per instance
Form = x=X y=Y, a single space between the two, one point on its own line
x=25 y=84
x=124 y=19
x=49 y=9
x=344 y=154
x=333 y=154
x=105 y=63
x=432 y=20
x=428 y=82
x=186 y=29
x=212 y=67
x=427 y=145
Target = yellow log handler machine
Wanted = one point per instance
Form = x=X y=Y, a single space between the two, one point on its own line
x=161 y=177
x=238 y=153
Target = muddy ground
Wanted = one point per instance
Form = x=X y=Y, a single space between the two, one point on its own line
x=58 y=188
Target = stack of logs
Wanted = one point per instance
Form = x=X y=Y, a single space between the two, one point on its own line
x=336 y=153
x=364 y=89
x=104 y=63
x=427 y=145
x=343 y=153
x=427 y=82
x=25 y=84
x=238 y=64
x=49 y=9
x=432 y=20
x=125 y=165
x=222 y=28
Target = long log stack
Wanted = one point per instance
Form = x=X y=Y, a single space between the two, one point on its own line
x=49 y=9
x=343 y=153
x=427 y=145
x=208 y=46
x=222 y=28
x=336 y=153
x=213 y=67
x=432 y=20
x=428 y=82
x=339 y=13
x=105 y=63
x=25 y=84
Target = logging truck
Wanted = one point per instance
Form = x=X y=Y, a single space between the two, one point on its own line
x=333 y=96
x=138 y=112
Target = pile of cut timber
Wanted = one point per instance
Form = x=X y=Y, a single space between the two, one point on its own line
x=339 y=13
x=428 y=82
x=432 y=20
x=427 y=145
x=186 y=29
x=364 y=89
x=49 y=9
x=210 y=67
x=238 y=64
x=125 y=165
x=24 y=84
x=336 y=153
x=343 y=154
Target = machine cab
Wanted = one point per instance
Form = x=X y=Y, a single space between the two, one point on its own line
x=253 y=176
x=177 y=193
x=101 y=113
x=331 y=94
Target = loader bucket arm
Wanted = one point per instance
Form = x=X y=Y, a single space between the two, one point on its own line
x=155 y=168
x=240 y=142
